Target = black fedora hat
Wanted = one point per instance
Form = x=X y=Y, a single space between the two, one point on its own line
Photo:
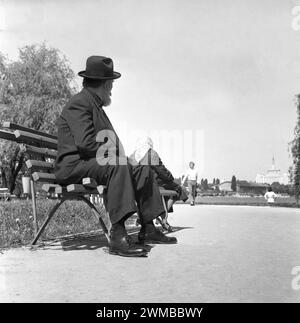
x=99 y=68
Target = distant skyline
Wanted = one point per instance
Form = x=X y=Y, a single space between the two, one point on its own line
x=227 y=70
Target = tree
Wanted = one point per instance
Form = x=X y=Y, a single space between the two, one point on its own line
x=281 y=188
x=33 y=91
x=295 y=150
x=233 y=183
x=217 y=181
x=205 y=184
x=201 y=184
x=276 y=186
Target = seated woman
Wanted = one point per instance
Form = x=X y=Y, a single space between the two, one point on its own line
x=144 y=154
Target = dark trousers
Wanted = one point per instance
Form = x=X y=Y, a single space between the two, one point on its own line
x=192 y=190
x=175 y=187
x=129 y=188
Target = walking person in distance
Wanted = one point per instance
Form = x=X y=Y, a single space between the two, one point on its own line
x=191 y=176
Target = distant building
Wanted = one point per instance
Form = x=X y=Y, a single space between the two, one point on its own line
x=252 y=188
x=244 y=187
x=225 y=186
x=273 y=175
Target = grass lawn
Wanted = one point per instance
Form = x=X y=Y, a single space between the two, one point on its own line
x=17 y=226
x=255 y=201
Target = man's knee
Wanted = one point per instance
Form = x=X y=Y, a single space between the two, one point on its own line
x=142 y=170
x=119 y=170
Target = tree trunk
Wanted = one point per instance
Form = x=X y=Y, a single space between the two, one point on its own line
x=3 y=177
x=15 y=172
x=14 y=169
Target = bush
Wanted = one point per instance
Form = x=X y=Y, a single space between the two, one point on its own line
x=17 y=225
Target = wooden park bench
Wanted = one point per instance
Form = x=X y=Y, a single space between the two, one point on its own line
x=40 y=151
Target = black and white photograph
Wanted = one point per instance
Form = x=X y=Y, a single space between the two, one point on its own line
x=149 y=154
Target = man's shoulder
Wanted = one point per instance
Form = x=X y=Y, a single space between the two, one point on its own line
x=78 y=100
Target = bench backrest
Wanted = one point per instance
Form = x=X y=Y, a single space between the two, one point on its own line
x=40 y=149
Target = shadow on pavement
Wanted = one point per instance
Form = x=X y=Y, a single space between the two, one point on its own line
x=89 y=241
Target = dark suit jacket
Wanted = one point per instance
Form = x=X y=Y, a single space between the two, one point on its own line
x=78 y=125
x=163 y=176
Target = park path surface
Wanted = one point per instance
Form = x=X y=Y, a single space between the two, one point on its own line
x=224 y=254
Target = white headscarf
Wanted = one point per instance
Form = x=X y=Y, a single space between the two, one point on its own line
x=142 y=146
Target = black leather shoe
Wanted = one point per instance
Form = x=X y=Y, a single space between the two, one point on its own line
x=138 y=244
x=156 y=237
x=123 y=246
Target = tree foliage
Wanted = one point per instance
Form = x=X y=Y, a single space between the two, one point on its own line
x=282 y=188
x=233 y=183
x=33 y=91
x=295 y=150
x=37 y=87
x=205 y=184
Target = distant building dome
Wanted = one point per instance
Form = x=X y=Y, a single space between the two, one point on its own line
x=273 y=175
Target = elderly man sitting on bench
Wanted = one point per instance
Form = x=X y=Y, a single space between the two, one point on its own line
x=88 y=146
x=144 y=154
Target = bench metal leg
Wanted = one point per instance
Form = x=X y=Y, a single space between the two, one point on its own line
x=164 y=220
x=56 y=206
x=51 y=213
x=33 y=199
x=97 y=214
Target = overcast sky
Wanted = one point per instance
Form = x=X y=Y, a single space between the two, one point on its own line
x=227 y=69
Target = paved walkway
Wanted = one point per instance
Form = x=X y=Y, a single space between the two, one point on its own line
x=225 y=254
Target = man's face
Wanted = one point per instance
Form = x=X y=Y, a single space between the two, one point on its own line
x=108 y=85
x=192 y=165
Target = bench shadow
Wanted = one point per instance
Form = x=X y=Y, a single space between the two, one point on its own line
x=90 y=241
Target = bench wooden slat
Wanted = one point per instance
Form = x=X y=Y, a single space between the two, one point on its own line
x=54 y=188
x=35 y=140
x=43 y=152
x=63 y=190
x=78 y=188
x=38 y=164
x=60 y=189
x=89 y=182
x=14 y=126
x=7 y=135
x=50 y=188
x=100 y=189
x=164 y=192
x=44 y=177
